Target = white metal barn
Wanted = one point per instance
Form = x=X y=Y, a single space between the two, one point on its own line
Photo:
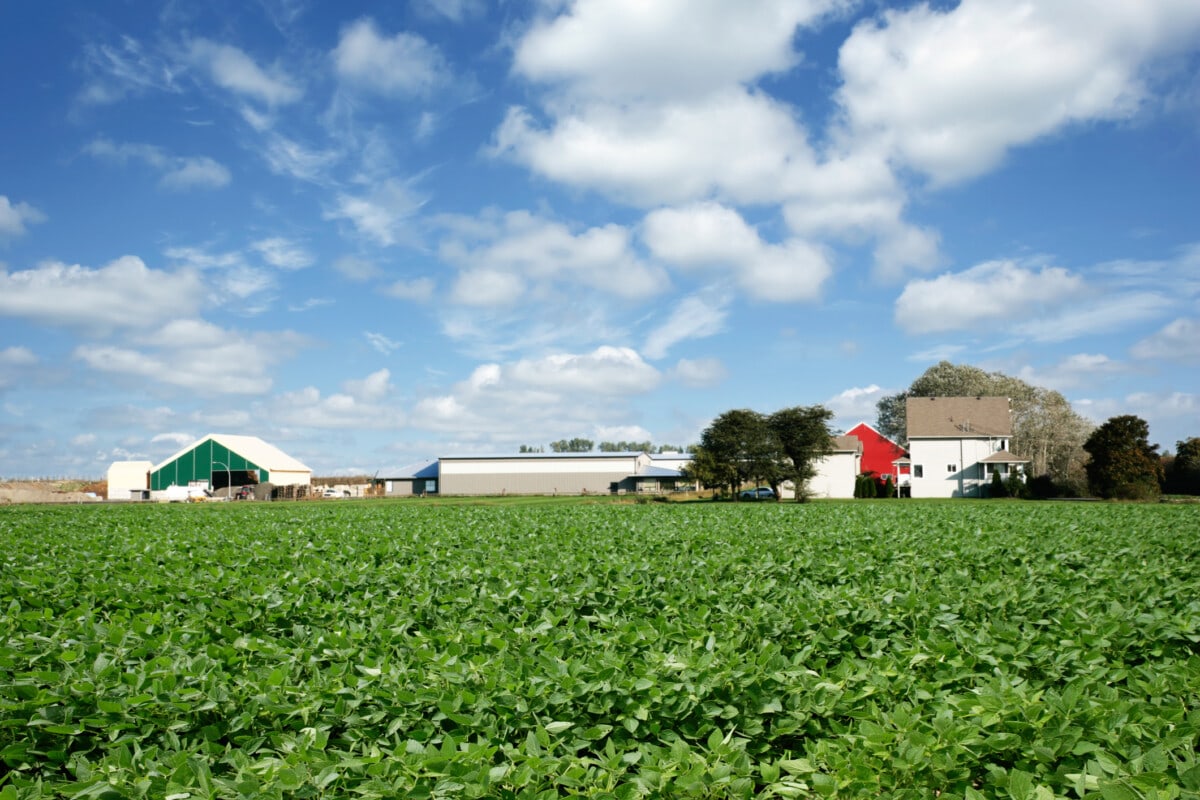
x=537 y=473
x=220 y=460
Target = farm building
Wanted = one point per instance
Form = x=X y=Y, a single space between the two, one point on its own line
x=417 y=480
x=129 y=480
x=879 y=455
x=221 y=460
x=835 y=473
x=541 y=473
x=955 y=444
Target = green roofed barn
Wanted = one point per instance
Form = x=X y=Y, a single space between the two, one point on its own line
x=222 y=460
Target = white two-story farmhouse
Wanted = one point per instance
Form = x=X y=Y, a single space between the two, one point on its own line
x=956 y=444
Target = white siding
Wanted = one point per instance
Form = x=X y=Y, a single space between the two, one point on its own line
x=534 y=475
x=670 y=460
x=950 y=467
x=835 y=475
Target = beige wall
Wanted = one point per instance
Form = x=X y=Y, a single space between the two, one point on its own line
x=284 y=478
x=125 y=477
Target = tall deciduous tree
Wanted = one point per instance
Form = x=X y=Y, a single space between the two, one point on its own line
x=706 y=470
x=804 y=437
x=1046 y=430
x=745 y=447
x=1184 y=474
x=1124 y=464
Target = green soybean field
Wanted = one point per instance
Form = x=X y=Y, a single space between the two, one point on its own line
x=382 y=649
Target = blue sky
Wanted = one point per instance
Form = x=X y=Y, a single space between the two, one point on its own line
x=375 y=233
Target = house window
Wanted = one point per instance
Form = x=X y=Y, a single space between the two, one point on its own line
x=951 y=468
x=918 y=471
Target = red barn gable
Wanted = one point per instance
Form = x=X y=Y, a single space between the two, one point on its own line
x=878 y=451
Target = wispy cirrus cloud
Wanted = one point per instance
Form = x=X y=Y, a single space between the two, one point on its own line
x=383 y=215
x=694 y=317
x=232 y=69
x=382 y=344
x=15 y=218
x=122 y=68
x=283 y=253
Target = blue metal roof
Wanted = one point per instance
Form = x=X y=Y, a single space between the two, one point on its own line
x=422 y=469
x=659 y=472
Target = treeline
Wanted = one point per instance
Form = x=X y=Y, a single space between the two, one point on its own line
x=579 y=445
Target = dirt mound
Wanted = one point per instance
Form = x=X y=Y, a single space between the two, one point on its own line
x=12 y=492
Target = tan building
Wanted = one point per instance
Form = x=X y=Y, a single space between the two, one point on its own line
x=129 y=480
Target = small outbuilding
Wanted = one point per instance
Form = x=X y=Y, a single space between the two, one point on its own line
x=221 y=460
x=416 y=480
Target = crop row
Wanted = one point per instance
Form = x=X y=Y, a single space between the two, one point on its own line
x=413 y=650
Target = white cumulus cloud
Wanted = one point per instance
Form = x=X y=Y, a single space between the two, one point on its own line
x=561 y=394
x=668 y=48
x=985 y=295
x=120 y=295
x=951 y=91
x=403 y=64
x=500 y=257
x=714 y=236
x=194 y=355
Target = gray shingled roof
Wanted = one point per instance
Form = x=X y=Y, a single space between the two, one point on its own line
x=1003 y=457
x=846 y=444
x=958 y=417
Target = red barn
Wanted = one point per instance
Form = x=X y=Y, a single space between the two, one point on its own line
x=878 y=452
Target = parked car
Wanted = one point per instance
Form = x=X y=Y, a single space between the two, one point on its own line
x=761 y=493
x=331 y=492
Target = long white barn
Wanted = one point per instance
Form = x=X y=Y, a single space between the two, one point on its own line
x=592 y=473
x=557 y=473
